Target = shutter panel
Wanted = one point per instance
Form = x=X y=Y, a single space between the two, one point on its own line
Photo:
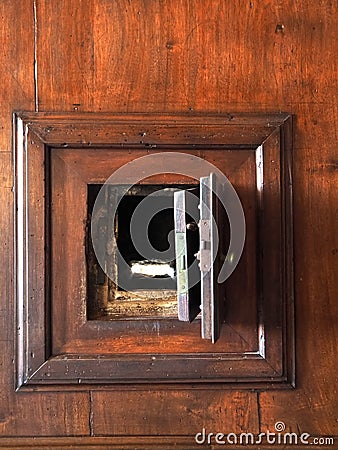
x=207 y=294
x=212 y=300
x=187 y=244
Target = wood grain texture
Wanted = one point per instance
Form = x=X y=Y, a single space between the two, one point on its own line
x=101 y=352
x=17 y=92
x=205 y=55
x=315 y=403
x=125 y=443
x=6 y=280
x=172 y=413
x=176 y=55
x=54 y=415
x=16 y=61
x=64 y=51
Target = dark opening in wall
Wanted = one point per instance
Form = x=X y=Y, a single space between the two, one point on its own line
x=140 y=286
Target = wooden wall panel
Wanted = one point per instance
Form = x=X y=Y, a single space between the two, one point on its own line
x=17 y=90
x=46 y=414
x=17 y=64
x=65 y=55
x=314 y=404
x=173 y=413
x=22 y=414
x=181 y=55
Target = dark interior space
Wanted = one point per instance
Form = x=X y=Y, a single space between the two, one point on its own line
x=154 y=277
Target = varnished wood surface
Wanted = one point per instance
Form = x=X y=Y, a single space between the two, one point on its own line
x=187 y=409
x=22 y=415
x=177 y=55
x=98 y=352
x=123 y=443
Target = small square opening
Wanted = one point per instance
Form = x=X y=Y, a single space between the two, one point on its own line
x=139 y=287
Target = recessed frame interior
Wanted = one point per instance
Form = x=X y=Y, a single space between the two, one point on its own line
x=140 y=298
x=57 y=157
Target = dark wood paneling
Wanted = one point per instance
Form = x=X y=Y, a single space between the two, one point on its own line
x=46 y=415
x=172 y=413
x=65 y=55
x=305 y=411
x=101 y=351
x=16 y=62
x=204 y=55
x=17 y=89
x=176 y=55
x=22 y=415
x=313 y=406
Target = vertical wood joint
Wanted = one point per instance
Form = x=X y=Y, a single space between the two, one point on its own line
x=91 y=414
x=259 y=412
x=36 y=98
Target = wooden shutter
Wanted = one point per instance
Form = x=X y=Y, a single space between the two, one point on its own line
x=204 y=296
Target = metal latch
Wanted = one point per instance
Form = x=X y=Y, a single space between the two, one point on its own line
x=204 y=253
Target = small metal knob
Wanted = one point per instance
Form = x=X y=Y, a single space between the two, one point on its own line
x=192 y=226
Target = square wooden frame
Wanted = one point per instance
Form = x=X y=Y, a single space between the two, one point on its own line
x=39 y=364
